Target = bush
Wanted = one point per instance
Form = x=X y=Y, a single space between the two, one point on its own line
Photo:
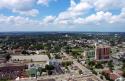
x=94 y=72
x=101 y=77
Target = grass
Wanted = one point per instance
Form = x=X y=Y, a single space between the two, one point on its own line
x=77 y=50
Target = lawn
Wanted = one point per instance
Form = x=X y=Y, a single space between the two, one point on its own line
x=77 y=49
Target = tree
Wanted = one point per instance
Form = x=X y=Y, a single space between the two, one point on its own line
x=49 y=67
x=94 y=72
x=80 y=72
x=7 y=57
x=90 y=63
x=25 y=52
x=101 y=77
x=67 y=63
x=50 y=72
x=112 y=43
x=40 y=69
x=110 y=65
x=68 y=49
x=4 y=80
x=98 y=65
x=57 y=56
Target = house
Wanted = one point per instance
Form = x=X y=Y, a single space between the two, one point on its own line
x=113 y=76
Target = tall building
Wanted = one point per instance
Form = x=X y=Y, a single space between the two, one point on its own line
x=102 y=52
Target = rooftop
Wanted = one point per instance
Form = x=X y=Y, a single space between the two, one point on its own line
x=102 y=46
x=10 y=64
x=30 y=57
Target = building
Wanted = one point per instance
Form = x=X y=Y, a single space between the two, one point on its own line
x=34 y=79
x=119 y=55
x=89 y=54
x=12 y=70
x=31 y=60
x=120 y=79
x=102 y=52
x=113 y=75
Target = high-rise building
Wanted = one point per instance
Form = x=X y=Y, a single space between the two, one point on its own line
x=102 y=52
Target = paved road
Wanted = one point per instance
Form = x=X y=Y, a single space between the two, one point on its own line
x=67 y=76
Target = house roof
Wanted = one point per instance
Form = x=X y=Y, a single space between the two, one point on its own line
x=107 y=71
x=113 y=76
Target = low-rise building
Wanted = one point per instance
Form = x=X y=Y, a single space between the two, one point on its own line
x=31 y=60
x=12 y=70
x=89 y=54
x=113 y=75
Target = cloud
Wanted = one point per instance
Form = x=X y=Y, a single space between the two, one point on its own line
x=74 y=15
x=17 y=21
x=75 y=10
x=23 y=7
x=99 y=17
x=109 y=4
x=48 y=19
x=106 y=4
x=32 y=12
x=44 y=2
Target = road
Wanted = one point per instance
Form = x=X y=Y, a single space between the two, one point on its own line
x=81 y=67
x=85 y=71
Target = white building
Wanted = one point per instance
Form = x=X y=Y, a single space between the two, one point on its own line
x=31 y=60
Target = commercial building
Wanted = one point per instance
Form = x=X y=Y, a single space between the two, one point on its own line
x=102 y=52
x=31 y=60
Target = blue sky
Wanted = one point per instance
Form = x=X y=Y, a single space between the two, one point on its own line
x=62 y=15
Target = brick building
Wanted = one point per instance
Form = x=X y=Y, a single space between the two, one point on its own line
x=12 y=71
x=102 y=52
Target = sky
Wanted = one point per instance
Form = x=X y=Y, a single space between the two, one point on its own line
x=62 y=15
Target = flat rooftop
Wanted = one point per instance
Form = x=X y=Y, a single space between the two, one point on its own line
x=34 y=58
x=102 y=46
x=10 y=64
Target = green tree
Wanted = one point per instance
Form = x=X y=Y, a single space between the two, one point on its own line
x=40 y=69
x=110 y=65
x=94 y=72
x=99 y=65
x=49 y=67
x=80 y=72
x=7 y=57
